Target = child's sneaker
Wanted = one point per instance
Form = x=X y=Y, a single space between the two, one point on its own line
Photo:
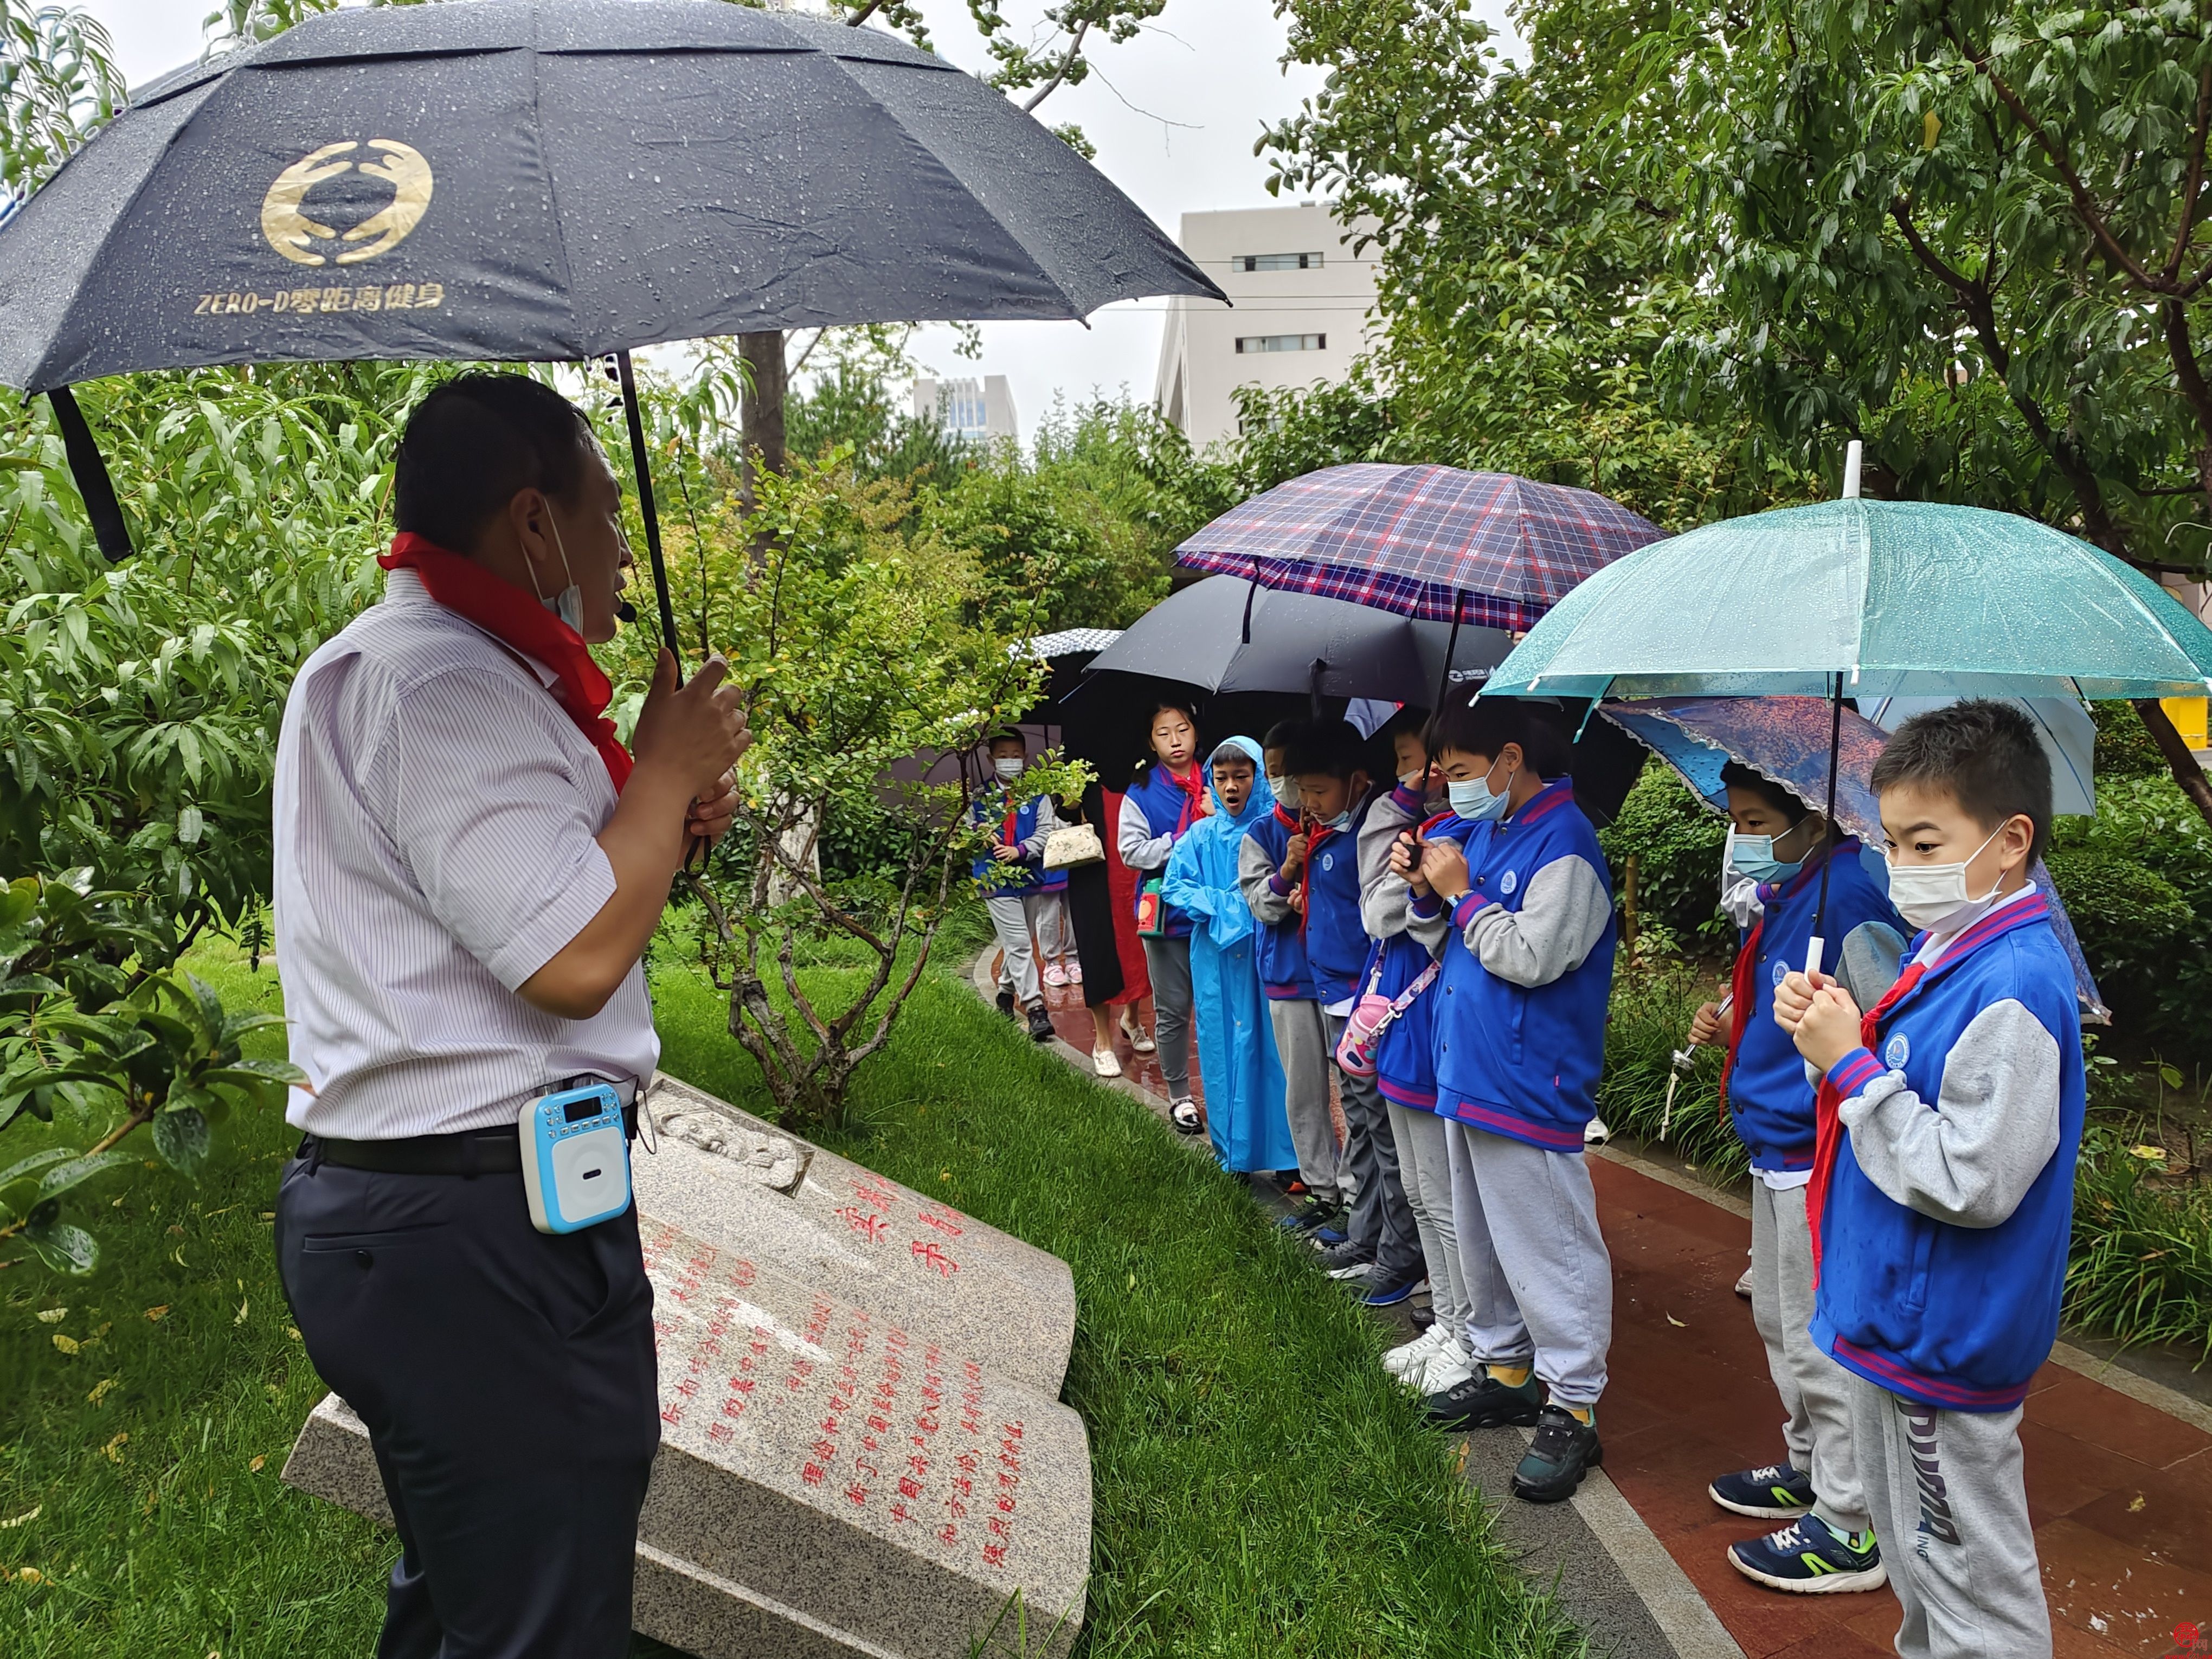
x=1743 y=1286
x=1380 y=1295
x=1054 y=975
x=1809 y=1558
x=1075 y=973
x=1005 y=1000
x=1040 y=1025
x=1773 y=1492
x=1481 y=1401
x=1565 y=1449
x=1311 y=1212
x=1408 y=1358
x=1346 y=1261
x=1595 y=1133
x=1449 y=1366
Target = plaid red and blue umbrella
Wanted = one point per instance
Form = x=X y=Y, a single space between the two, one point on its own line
x=1431 y=543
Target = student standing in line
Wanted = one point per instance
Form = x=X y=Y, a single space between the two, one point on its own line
x=1243 y=1078
x=1270 y=860
x=1525 y=902
x=1780 y=844
x=1942 y=1193
x=1102 y=913
x=1159 y=808
x=1404 y=1062
x=1007 y=874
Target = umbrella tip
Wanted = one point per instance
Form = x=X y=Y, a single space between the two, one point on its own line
x=1853 y=453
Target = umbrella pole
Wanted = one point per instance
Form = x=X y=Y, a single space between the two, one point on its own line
x=1451 y=645
x=1815 y=945
x=646 y=510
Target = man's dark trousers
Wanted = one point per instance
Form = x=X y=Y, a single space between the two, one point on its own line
x=508 y=1380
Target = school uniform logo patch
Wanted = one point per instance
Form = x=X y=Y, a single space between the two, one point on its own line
x=1895 y=1051
x=1781 y=973
x=1508 y=881
x=1328 y=860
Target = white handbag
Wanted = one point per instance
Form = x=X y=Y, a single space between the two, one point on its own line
x=1071 y=845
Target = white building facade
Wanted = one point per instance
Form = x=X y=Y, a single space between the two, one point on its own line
x=1299 y=312
x=980 y=408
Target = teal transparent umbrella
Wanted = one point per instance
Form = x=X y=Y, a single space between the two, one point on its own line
x=1864 y=600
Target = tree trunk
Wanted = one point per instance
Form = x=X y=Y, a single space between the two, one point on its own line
x=2187 y=772
x=762 y=418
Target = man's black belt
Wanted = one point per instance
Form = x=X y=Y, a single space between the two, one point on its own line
x=470 y=1152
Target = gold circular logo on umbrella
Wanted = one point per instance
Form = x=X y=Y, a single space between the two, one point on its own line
x=293 y=234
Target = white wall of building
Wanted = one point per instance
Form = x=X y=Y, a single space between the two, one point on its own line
x=1293 y=320
x=980 y=407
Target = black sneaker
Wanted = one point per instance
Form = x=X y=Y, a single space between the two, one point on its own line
x=1565 y=1449
x=1774 y=1491
x=1040 y=1025
x=1006 y=1001
x=1345 y=1261
x=1483 y=1402
x=1310 y=1211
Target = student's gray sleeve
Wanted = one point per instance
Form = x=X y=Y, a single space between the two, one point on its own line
x=1047 y=822
x=1382 y=894
x=1558 y=925
x=1133 y=839
x=1253 y=868
x=1994 y=1127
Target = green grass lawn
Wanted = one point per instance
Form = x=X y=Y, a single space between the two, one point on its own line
x=1260 y=1487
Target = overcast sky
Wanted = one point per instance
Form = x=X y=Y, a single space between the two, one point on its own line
x=1174 y=115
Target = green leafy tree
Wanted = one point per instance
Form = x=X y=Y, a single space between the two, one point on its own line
x=57 y=84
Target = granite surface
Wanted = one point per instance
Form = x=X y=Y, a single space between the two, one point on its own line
x=862 y=1455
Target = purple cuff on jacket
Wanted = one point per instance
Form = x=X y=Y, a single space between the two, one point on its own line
x=1463 y=912
x=1424 y=904
x=1851 y=1074
x=1411 y=802
x=1278 y=886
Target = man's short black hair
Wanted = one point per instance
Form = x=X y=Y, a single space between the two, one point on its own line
x=1736 y=775
x=475 y=443
x=1984 y=754
x=1488 y=724
x=1325 y=748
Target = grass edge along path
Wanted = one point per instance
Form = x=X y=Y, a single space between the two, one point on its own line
x=1260 y=1487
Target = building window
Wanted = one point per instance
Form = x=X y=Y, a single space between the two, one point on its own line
x=1251 y=342
x=961 y=411
x=1277 y=262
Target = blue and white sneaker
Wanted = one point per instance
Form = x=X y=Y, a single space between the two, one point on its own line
x=1389 y=1296
x=1773 y=1492
x=1809 y=1558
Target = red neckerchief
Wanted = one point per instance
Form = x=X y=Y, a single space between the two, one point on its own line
x=1828 y=1122
x=1194 y=790
x=518 y=620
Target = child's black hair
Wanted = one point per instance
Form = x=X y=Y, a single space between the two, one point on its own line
x=1408 y=723
x=1186 y=707
x=1488 y=724
x=1236 y=754
x=1005 y=734
x=1285 y=735
x=1330 y=748
x=1736 y=775
x=1984 y=754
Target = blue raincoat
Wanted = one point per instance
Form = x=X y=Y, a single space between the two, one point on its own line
x=1242 y=1078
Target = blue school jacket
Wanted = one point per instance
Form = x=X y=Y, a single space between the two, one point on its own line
x=1522 y=1062
x=989 y=810
x=1406 y=1058
x=1337 y=945
x=1168 y=811
x=1770 y=1101
x=1956 y=1317
x=1285 y=973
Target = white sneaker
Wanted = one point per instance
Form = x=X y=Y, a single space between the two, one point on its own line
x=1595 y=1133
x=1054 y=975
x=1408 y=1357
x=1105 y=1062
x=1140 y=1038
x=1451 y=1364
x=1743 y=1285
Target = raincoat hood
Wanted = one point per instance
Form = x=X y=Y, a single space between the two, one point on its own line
x=1262 y=799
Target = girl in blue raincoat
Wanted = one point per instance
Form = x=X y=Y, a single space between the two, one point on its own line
x=1243 y=1078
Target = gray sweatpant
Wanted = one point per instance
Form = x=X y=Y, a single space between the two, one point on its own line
x=1950 y=1507
x=1047 y=914
x=1539 y=1281
x=1382 y=1223
x=1302 y=1044
x=1425 y=1166
x=1166 y=962
x=1817 y=1421
x=1010 y=921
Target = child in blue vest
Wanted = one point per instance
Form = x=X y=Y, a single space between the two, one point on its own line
x=1278 y=841
x=1942 y=1193
x=1782 y=846
x=1009 y=876
x=1159 y=808
x=1403 y=966
x=1516 y=885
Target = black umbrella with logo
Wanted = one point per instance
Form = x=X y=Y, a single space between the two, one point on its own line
x=548 y=180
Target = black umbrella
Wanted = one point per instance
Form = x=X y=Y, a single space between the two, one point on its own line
x=1226 y=635
x=548 y=180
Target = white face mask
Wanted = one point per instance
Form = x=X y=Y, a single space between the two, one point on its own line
x=1933 y=898
x=569 y=606
x=1474 y=799
x=1008 y=766
x=1280 y=789
x=1342 y=821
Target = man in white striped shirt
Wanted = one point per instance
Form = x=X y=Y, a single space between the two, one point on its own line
x=468 y=867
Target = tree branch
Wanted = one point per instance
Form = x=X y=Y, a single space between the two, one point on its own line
x=2187 y=229
x=1066 y=63
x=863 y=15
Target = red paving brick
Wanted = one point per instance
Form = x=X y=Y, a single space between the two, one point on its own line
x=2117 y=1490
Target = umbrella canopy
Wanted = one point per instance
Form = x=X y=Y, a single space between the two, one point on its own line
x=1225 y=635
x=1868 y=599
x=1786 y=740
x=554 y=180
x=1428 y=541
x=2063 y=726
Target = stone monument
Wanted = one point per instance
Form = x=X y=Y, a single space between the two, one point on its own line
x=862 y=1449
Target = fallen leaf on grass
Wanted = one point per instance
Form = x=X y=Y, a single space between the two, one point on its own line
x=2150 y=1154
x=67 y=1344
x=254 y=1467
x=155 y=1313
x=30 y=1575
x=1678 y=1324
x=99 y=1389
x=52 y=1315
x=101 y=1331
x=2136 y=1508
x=114 y=1448
x=22 y=1520
x=1459 y=1457
x=293 y=1331
x=242 y=1307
